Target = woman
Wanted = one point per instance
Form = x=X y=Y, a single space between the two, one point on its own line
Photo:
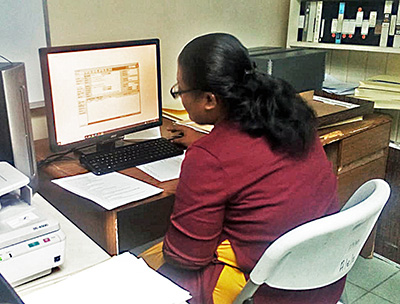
x=259 y=173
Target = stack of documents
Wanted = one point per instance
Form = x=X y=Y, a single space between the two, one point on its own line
x=121 y=279
x=384 y=90
x=334 y=86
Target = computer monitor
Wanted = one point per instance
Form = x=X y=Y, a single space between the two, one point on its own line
x=96 y=93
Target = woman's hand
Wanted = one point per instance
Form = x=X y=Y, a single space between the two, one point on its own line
x=183 y=135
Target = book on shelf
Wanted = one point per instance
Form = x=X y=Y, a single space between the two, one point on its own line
x=384 y=90
x=377 y=94
x=382 y=100
x=382 y=82
x=310 y=14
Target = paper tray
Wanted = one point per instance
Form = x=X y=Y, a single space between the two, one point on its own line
x=328 y=114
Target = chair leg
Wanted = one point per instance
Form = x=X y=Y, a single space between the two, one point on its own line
x=246 y=295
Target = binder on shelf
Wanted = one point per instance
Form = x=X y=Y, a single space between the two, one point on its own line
x=306 y=21
x=311 y=21
x=359 y=18
x=392 y=25
x=318 y=21
x=339 y=28
x=353 y=22
x=373 y=15
x=386 y=24
x=396 y=39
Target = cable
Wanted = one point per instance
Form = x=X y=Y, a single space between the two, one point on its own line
x=5 y=59
x=55 y=157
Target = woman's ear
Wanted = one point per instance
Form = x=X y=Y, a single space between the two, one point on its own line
x=211 y=101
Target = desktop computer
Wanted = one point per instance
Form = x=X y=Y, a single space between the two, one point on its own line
x=16 y=137
x=97 y=93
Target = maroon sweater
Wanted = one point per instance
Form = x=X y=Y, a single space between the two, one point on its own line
x=233 y=186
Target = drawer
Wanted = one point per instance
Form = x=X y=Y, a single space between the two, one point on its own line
x=351 y=180
x=363 y=144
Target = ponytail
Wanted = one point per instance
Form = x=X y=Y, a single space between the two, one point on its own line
x=270 y=107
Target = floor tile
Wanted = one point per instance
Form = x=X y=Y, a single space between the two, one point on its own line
x=389 y=289
x=354 y=292
x=369 y=273
x=370 y=298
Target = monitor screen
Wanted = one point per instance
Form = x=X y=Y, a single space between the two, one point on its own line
x=99 y=92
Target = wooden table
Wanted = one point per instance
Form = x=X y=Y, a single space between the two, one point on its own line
x=358 y=152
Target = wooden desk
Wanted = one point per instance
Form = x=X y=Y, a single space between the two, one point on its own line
x=358 y=152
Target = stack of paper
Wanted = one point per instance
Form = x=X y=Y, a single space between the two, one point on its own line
x=384 y=90
x=121 y=279
x=335 y=86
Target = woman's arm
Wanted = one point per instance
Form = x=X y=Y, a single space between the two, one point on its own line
x=199 y=210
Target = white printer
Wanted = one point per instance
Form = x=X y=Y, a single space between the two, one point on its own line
x=31 y=244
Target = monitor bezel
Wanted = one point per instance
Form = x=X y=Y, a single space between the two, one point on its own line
x=48 y=99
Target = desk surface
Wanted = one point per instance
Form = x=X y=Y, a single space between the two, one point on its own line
x=140 y=222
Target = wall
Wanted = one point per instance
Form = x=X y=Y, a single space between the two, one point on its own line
x=254 y=22
x=352 y=66
x=25 y=20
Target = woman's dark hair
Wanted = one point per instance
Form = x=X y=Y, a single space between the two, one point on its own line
x=261 y=104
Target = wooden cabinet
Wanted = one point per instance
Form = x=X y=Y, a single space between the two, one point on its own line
x=358 y=152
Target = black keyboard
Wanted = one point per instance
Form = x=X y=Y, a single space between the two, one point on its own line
x=130 y=156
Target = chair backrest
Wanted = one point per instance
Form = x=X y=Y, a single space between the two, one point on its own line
x=322 y=251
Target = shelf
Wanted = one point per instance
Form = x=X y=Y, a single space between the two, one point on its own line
x=293 y=30
x=349 y=47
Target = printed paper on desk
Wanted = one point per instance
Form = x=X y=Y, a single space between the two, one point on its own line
x=165 y=169
x=109 y=190
x=121 y=279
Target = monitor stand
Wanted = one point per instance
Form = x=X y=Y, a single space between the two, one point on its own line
x=104 y=146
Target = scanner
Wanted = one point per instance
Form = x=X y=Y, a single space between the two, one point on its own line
x=31 y=244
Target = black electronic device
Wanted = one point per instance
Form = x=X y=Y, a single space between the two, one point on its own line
x=99 y=92
x=304 y=69
x=96 y=93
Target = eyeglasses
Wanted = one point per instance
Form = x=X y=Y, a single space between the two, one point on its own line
x=175 y=92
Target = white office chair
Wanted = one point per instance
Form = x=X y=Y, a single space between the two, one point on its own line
x=322 y=251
